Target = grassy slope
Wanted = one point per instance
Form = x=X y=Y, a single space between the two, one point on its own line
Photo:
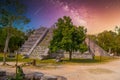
x=65 y=61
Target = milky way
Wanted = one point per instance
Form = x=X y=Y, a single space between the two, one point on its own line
x=95 y=15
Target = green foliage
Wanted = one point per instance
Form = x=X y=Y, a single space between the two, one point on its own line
x=83 y=48
x=117 y=29
x=117 y=45
x=45 y=64
x=12 y=13
x=20 y=75
x=108 y=40
x=11 y=16
x=67 y=36
x=2 y=39
x=92 y=37
x=15 y=41
x=29 y=32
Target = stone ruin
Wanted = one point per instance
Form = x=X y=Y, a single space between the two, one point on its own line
x=36 y=46
x=31 y=76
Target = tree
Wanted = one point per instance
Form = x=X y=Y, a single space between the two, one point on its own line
x=67 y=36
x=11 y=15
x=117 y=30
x=106 y=40
x=2 y=39
x=117 y=40
x=29 y=32
x=15 y=41
x=92 y=37
x=83 y=48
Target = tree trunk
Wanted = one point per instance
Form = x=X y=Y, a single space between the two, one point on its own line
x=34 y=62
x=93 y=56
x=5 y=49
x=109 y=51
x=70 y=55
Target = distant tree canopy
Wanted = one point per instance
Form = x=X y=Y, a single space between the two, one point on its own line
x=108 y=40
x=117 y=30
x=68 y=37
x=11 y=17
x=15 y=41
x=12 y=13
x=29 y=32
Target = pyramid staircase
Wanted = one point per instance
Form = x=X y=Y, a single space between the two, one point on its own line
x=33 y=41
x=41 y=50
x=94 y=49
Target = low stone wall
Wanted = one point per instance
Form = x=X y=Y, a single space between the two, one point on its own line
x=79 y=55
x=74 y=55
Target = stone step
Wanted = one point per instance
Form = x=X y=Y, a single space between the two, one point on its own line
x=25 y=50
x=38 y=32
x=32 y=40
x=26 y=46
x=29 y=43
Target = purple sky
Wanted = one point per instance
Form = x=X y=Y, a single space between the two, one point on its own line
x=95 y=15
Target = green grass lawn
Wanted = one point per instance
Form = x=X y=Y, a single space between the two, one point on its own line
x=65 y=61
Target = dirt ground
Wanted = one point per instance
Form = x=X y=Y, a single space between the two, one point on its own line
x=106 y=71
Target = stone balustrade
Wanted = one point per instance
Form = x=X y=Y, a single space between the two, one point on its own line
x=41 y=50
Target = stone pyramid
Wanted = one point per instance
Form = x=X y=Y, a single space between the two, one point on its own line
x=36 y=46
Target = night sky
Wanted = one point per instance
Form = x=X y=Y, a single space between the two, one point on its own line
x=95 y=15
